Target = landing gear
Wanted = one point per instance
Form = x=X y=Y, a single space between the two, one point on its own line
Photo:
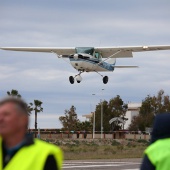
x=105 y=79
x=71 y=79
x=77 y=77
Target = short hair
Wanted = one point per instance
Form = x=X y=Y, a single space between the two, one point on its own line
x=20 y=103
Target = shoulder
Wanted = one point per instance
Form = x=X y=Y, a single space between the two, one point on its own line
x=161 y=143
x=159 y=149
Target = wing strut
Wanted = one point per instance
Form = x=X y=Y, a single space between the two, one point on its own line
x=59 y=56
x=110 y=57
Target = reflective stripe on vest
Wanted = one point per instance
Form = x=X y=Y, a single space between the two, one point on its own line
x=159 y=154
x=33 y=157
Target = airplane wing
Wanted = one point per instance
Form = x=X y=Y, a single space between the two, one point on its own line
x=120 y=52
x=65 y=51
x=125 y=66
x=126 y=52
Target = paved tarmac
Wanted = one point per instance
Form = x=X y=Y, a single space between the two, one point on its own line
x=108 y=164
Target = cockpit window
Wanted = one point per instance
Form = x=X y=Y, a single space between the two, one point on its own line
x=97 y=55
x=86 y=50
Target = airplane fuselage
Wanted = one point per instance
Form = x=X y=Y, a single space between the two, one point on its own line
x=88 y=63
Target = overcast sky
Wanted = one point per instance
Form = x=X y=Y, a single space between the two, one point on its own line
x=72 y=23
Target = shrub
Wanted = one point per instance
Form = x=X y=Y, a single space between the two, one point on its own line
x=58 y=143
x=142 y=141
x=120 y=147
x=115 y=143
x=113 y=152
x=109 y=150
x=76 y=142
x=94 y=148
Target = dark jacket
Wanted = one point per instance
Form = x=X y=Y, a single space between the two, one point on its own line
x=161 y=130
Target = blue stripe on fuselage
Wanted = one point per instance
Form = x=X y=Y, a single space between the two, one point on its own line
x=107 y=66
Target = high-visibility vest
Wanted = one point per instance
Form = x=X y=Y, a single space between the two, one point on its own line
x=32 y=157
x=159 y=154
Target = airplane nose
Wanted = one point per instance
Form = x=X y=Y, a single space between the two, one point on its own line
x=76 y=56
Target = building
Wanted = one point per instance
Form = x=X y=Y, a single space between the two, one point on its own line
x=133 y=110
x=88 y=116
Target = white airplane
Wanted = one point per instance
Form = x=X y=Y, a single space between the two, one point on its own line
x=89 y=59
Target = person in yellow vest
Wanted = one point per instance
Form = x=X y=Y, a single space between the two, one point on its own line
x=157 y=155
x=19 y=151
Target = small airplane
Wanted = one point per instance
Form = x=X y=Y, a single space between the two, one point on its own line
x=89 y=59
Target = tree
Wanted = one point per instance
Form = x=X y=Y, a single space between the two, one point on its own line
x=13 y=93
x=84 y=126
x=151 y=106
x=29 y=108
x=114 y=108
x=37 y=107
x=140 y=122
x=70 y=121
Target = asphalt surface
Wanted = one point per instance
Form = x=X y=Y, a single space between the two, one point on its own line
x=108 y=164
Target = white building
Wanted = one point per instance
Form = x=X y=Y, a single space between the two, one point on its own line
x=133 y=110
x=88 y=116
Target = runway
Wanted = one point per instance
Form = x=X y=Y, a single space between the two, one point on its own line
x=123 y=164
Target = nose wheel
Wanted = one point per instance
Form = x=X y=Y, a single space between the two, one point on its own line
x=77 y=77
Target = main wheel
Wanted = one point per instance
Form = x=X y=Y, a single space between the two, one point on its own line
x=71 y=79
x=105 y=79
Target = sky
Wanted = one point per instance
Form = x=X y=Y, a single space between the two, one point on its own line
x=65 y=23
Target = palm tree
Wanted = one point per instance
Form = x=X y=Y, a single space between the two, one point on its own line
x=29 y=108
x=36 y=106
x=13 y=93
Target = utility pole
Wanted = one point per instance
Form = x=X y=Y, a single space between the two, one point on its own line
x=94 y=125
x=101 y=102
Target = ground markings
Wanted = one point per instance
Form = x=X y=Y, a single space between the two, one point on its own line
x=131 y=169
x=103 y=165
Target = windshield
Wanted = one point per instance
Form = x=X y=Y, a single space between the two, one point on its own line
x=86 y=50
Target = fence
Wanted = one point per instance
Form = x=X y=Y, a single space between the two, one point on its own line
x=53 y=134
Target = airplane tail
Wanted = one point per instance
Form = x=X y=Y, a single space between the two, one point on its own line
x=111 y=61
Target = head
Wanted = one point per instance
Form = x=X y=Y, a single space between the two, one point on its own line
x=161 y=127
x=13 y=116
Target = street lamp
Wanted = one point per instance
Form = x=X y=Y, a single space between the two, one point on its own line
x=94 y=122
